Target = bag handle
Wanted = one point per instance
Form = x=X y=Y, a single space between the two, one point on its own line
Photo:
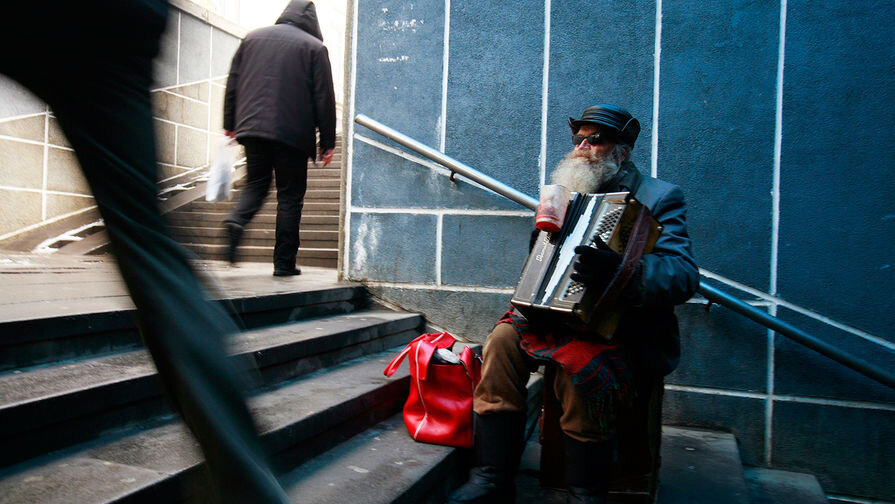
x=430 y=342
x=426 y=348
x=473 y=365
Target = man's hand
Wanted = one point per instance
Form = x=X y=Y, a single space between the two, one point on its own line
x=229 y=133
x=325 y=156
x=595 y=267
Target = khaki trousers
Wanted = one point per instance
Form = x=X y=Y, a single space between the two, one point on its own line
x=505 y=373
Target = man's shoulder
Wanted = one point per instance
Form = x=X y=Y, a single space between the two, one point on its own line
x=652 y=190
x=284 y=32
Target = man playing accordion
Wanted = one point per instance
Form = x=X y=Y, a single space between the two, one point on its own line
x=598 y=379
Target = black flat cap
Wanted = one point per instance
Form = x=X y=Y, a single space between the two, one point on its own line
x=627 y=128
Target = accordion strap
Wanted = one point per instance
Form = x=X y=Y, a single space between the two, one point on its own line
x=633 y=252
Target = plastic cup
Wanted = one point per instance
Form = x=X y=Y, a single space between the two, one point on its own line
x=552 y=208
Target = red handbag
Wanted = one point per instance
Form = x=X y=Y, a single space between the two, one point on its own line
x=439 y=407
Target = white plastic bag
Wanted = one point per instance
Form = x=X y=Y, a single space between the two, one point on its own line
x=220 y=173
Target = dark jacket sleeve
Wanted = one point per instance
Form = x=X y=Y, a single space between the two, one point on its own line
x=669 y=275
x=324 y=99
x=230 y=93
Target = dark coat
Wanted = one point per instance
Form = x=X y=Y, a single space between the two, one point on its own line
x=648 y=331
x=280 y=85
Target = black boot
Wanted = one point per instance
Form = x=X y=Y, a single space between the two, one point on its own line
x=588 y=470
x=234 y=234
x=499 y=441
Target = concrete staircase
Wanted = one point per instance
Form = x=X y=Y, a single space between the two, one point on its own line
x=198 y=225
x=83 y=419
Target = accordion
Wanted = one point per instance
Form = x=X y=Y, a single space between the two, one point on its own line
x=546 y=294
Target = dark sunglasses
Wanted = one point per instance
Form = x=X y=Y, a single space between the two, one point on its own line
x=595 y=139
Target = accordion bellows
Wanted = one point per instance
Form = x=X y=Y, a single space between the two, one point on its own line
x=546 y=293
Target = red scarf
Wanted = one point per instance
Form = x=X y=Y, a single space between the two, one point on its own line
x=598 y=370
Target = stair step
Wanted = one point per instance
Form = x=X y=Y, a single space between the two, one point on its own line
x=331 y=171
x=324 y=183
x=381 y=465
x=250 y=253
x=329 y=196
x=216 y=219
x=770 y=486
x=385 y=465
x=98 y=394
x=700 y=467
x=305 y=416
x=66 y=325
x=314 y=238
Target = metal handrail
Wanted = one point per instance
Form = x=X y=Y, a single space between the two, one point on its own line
x=867 y=369
x=450 y=163
x=711 y=293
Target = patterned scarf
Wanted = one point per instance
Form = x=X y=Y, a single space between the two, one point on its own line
x=598 y=370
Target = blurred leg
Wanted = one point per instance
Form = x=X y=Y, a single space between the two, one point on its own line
x=259 y=173
x=105 y=113
x=291 y=167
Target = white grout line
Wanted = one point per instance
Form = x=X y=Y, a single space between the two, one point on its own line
x=775 y=238
x=657 y=60
x=21 y=140
x=445 y=67
x=179 y=34
x=176 y=134
x=35 y=142
x=866 y=405
x=769 y=404
x=183 y=96
x=208 y=104
x=46 y=166
x=545 y=88
x=443 y=211
x=439 y=247
x=716 y=391
x=44 y=223
x=349 y=146
x=450 y=288
x=24 y=116
x=181 y=125
x=48 y=191
x=778 y=146
x=186 y=169
x=210 y=80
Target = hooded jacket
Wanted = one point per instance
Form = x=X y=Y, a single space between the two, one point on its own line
x=280 y=85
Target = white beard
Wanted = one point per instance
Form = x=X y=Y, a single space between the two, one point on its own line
x=583 y=173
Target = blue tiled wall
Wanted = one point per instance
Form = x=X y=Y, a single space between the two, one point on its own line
x=731 y=128
x=716 y=128
x=494 y=90
x=837 y=223
x=399 y=60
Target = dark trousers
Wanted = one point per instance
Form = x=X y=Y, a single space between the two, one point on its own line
x=267 y=159
x=101 y=98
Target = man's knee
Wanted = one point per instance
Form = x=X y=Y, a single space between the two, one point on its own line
x=502 y=340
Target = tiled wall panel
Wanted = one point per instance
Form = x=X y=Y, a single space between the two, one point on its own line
x=187 y=101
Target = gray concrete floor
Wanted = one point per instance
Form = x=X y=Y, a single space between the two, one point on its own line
x=37 y=286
